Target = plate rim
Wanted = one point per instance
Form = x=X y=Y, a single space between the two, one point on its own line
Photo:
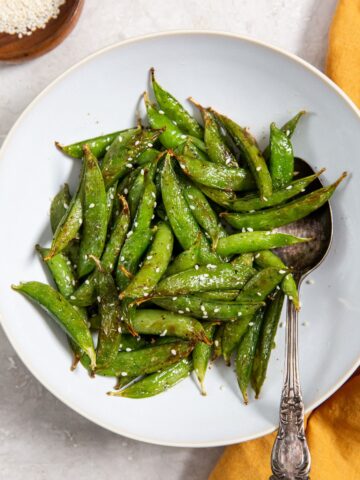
x=32 y=104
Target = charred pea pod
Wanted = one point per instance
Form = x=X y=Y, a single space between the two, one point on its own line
x=95 y=216
x=174 y=110
x=61 y=271
x=246 y=353
x=201 y=356
x=97 y=145
x=185 y=260
x=265 y=259
x=146 y=360
x=266 y=342
x=65 y=315
x=204 y=309
x=172 y=136
x=281 y=163
x=158 y=382
x=283 y=214
x=288 y=128
x=247 y=144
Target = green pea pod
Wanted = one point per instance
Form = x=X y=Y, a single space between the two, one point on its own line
x=67 y=229
x=157 y=382
x=246 y=353
x=95 y=215
x=247 y=144
x=216 y=147
x=97 y=145
x=261 y=285
x=61 y=271
x=288 y=128
x=265 y=259
x=67 y=317
x=160 y=322
x=201 y=356
x=251 y=202
x=146 y=360
x=129 y=343
x=217 y=348
x=185 y=260
x=147 y=156
x=190 y=150
x=172 y=136
x=110 y=313
x=180 y=216
x=284 y=214
x=154 y=266
x=281 y=158
x=266 y=342
x=137 y=189
x=123 y=154
x=205 y=278
x=215 y=175
x=207 y=309
x=59 y=206
x=244 y=259
x=254 y=241
x=228 y=295
x=257 y=289
x=174 y=110
x=220 y=197
x=85 y=295
x=138 y=238
x=203 y=213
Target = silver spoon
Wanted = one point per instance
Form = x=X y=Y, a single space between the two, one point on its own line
x=290 y=457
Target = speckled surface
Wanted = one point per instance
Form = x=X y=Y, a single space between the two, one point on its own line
x=40 y=438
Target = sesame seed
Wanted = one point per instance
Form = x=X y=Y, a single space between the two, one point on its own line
x=126 y=191
x=291 y=297
x=210 y=266
x=174 y=298
x=196 y=267
x=120 y=330
x=120 y=138
x=142 y=171
x=239 y=314
x=181 y=312
x=98 y=298
x=190 y=196
x=149 y=257
x=216 y=310
x=252 y=211
x=124 y=374
x=258 y=169
x=257 y=255
x=183 y=137
x=66 y=205
x=128 y=349
x=187 y=309
x=136 y=224
x=137 y=142
x=129 y=165
x=249 y=229
x=72 y=297
x=122 y=258
x=251 y=324
x=289 y=187
x=146 y=294
x=192 y=207
x=162 y=334
x=265 y=199
x=161 y=112
x=129 y=234
x=157 y=269
x=149 y=144
x=258 y=293
x=153 y=194
x=173 y=351
x=92 y=205
x=216 y=343
x=287 y=133
x=202 y=308
x=282 y=272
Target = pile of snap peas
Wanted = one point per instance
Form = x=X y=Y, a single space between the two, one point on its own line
x=163 y=260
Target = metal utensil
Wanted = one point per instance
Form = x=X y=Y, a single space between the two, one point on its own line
x=290 y=458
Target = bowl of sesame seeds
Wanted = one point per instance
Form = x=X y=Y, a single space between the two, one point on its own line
x=31 y=28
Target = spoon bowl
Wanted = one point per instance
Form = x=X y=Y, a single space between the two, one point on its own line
x=303 y=258
x=14 y=49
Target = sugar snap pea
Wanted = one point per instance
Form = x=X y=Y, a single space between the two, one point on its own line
x=160 y=322
x=154 y=266
x=251 y=202
x=110 y=313
x=185 y=260
x=201 y=356
x=172 y=135
x=61 y=271
x=216 y=147
x=215 y=175
x=232 y=334
x=138 y=238
x=246 y=353
x=281 y=158
x=85 y=295
x=205 y=278
x=59 y=206
x=146 y=360
x=124 y=153
x=288 y=128
x=283 y=214
x=97 y=145
x=174 y=110
x=266 y=342
x=252 y=241
x=266 y=258
x=94 y=214
x=67 y=317
x=247 y=144
x=220 y=197
x=157 y=382
x=203 y=308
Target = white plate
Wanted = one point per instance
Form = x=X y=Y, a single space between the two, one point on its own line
x=254 y=84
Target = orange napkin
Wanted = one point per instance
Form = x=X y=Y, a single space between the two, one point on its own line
x=333 y=429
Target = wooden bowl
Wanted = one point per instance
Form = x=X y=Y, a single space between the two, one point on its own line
x=14 y=49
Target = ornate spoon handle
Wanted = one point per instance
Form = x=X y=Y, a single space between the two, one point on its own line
x=290 y=458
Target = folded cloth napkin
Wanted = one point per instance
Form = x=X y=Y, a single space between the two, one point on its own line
x=333 y=429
